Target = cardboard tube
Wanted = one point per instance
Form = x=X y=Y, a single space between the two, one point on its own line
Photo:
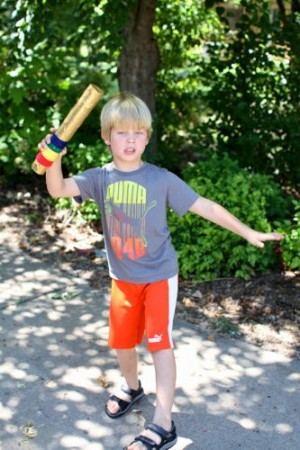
x=79 y=112
x=38 y=168
x=74 y=119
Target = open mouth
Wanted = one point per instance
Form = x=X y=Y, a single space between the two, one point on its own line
x=129 y=151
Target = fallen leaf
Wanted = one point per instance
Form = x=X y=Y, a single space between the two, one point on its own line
x=103 y=382
x=211 y=338
x=187 y=302
x=29 y=430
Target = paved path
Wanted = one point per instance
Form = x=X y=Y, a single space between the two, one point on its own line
x=54 y=360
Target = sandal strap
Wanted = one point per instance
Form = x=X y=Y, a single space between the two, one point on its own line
x=147 y=442
x=168 y=438
x=160 y=431
x=122 y=403
x=131 y=392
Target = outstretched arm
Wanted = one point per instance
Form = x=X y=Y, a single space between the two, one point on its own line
x=217 y=214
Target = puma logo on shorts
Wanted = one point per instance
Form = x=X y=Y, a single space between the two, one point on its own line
x=156 y=338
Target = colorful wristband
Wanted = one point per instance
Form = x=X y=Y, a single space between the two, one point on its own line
x=58 y=142
x=55 y=149
x=49 y=154
x=43 y=161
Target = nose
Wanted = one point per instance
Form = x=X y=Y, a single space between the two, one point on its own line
x=131 y=137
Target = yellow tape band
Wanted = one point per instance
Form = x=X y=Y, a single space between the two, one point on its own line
x=49 y=154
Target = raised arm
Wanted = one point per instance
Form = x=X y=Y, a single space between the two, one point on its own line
x=217 y=214
x=57 y=185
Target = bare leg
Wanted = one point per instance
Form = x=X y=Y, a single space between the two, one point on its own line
x=128 y=362
x=165 y=370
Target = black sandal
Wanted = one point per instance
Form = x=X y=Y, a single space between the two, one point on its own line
x=168 y=438
x=123 y=404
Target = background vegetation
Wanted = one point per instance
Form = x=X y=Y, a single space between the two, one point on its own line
x=222 y=81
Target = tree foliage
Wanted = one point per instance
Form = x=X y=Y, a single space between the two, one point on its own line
x=253 y=74
x=48 y=56
x=224 y=81
x=218 y=88
x=207 y=251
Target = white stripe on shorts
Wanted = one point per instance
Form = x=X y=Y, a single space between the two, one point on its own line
x=173 y=293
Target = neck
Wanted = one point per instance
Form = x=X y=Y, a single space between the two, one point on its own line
x=127 y=167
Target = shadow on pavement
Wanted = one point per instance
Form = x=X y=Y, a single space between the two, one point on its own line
x=55 y=365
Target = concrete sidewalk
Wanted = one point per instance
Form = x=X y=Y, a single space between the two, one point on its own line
x=55 y=363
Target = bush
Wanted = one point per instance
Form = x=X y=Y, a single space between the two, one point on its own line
x=206 y=251
x=252 y=79
x=88 y=211
x=291 y=244
x=81 y=157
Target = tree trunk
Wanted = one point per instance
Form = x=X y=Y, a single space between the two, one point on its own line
x=295 y=6
x=281 y=7
x=139 y=58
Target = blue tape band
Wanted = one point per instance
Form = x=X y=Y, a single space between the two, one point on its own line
x=58 y=142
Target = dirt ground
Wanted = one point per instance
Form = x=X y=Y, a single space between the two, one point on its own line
x=264 y=311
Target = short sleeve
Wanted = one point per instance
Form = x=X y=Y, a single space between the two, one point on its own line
x=180 y=195
x=88 y=183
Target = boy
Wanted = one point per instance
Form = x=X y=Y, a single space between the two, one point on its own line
x=133 y=197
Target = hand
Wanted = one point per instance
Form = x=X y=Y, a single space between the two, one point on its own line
x=44 y=143
x=256 y=238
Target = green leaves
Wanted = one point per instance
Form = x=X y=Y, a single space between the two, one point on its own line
x=291 y=243
x=44 y=69
x=252 y=85
x=207 y=251
x=220 y=88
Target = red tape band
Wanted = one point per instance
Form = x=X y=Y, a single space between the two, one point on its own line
x=43 y=161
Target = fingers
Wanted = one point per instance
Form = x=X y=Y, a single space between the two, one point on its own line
x=260 y=238
x=44 y=143
x=259 y=244
x=47 y=139
x=277 y=236
x=272 y=237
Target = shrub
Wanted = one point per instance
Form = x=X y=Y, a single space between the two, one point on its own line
x=291 y=243
x=88 y=211
x=206 y=251
x=252 y=79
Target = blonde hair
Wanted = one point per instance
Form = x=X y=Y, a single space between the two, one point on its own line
x=125 y=110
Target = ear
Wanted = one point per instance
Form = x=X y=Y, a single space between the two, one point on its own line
x=106 y=139
x=149 y=134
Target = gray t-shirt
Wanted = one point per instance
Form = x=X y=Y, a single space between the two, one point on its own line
x=133 y=208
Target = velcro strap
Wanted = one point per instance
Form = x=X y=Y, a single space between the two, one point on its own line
x=149 y=443
x=158 y=430
x=121 y=403
x=129 y=391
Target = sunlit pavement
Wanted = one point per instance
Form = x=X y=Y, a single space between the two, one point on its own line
x=56 y=372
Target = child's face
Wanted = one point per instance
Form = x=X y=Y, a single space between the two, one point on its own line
x=127 y=145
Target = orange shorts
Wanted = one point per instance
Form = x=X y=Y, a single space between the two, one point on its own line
x=139 y=309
